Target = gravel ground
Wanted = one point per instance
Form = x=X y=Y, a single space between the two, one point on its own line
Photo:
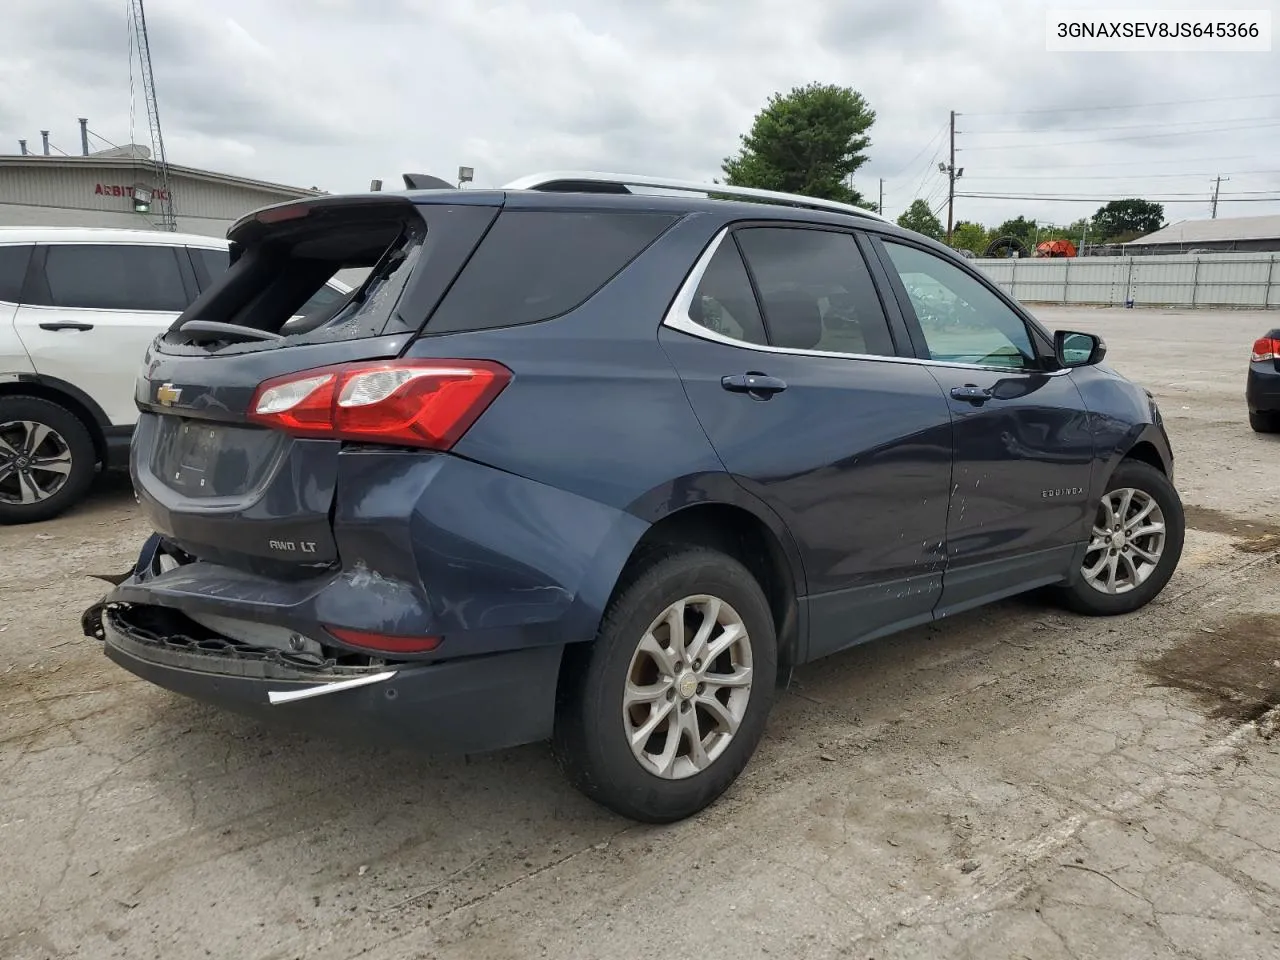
x=1016 y=782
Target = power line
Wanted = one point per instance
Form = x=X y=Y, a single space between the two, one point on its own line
x=1144 y=136
x=1124 y=163
x=1182 y=193
x=1135 y=176
x=1126 y=106
x=910 y=164
x=1139 y=126
x=929 y=170
x=1050 y=199
x=936 y=192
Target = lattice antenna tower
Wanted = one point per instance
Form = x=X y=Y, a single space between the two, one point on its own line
x=164 y=189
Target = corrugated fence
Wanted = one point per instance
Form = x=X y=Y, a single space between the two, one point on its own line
x=1242 y=280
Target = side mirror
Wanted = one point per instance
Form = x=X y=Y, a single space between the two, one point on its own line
x=1078 y=349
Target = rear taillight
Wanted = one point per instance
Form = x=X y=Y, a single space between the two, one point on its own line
x=1265 y=348
x=419 y=403
x=385 y=642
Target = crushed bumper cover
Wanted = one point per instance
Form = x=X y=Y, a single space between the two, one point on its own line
x=464 y=705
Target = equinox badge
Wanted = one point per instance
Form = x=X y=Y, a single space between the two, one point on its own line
x=1061 y=492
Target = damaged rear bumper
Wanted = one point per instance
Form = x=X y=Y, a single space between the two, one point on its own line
x=463 y=705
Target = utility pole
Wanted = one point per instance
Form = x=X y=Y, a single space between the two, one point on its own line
x=881 y=207
x=1217 y=183
x=953 y=174
x=951 y=180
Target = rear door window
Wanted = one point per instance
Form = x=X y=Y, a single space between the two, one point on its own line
x=113 y=277
x=534 y=265
x=13 y=270
x=816 y=291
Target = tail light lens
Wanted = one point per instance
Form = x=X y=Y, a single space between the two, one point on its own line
x=418 y=403
x=1265 y=349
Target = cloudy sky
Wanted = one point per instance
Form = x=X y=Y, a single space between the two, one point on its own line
x=335 y=92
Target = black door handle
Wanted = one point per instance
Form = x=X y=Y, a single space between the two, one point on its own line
x=972 y=393
x=757 y=385
x=66 y=325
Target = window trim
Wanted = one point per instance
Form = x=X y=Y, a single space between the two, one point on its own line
x=678 y=318
x=755 y=288
x=38 y=280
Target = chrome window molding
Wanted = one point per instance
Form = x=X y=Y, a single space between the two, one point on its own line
x=678 y=318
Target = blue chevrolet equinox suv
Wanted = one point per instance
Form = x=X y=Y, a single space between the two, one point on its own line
x=586 y=461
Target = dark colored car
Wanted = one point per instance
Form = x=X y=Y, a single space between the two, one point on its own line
x=1262 y=386
x=581 y=464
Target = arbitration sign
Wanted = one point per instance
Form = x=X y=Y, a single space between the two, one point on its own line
x=119 y=190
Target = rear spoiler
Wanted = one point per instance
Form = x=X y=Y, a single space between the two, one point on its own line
x=370 y=205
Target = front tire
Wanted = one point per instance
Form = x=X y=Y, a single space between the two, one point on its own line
x=659 y=715
x=1135 y=543
x=47 y=459
x=1264 y=421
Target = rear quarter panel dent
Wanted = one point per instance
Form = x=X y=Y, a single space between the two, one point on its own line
x=491 y=551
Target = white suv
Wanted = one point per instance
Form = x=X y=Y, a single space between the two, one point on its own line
x=78 y=309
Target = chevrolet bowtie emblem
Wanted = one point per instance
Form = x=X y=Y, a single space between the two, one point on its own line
x=168 y=394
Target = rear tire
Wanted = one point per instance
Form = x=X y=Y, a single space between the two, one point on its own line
x=47 y=459
x=1135 y=545
x=625 y=696
x=1264 y=421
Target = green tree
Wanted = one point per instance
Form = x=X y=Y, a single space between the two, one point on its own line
x=920 y=218
x=808 y=141
x=970 y=236
x=1076 y=229
x=1127 y=219
x=1022 y=229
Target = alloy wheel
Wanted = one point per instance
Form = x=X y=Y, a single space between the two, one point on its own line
x=35 y=461
x=1127 y=541
x=687 y=687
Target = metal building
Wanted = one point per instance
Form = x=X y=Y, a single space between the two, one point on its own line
x=116 y=188
x=1223 y=235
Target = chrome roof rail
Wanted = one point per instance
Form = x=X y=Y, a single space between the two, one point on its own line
x=588 y=181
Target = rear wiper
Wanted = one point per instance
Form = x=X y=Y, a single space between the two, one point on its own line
x=225 y=331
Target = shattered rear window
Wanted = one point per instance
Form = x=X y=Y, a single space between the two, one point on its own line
x=277 y=283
